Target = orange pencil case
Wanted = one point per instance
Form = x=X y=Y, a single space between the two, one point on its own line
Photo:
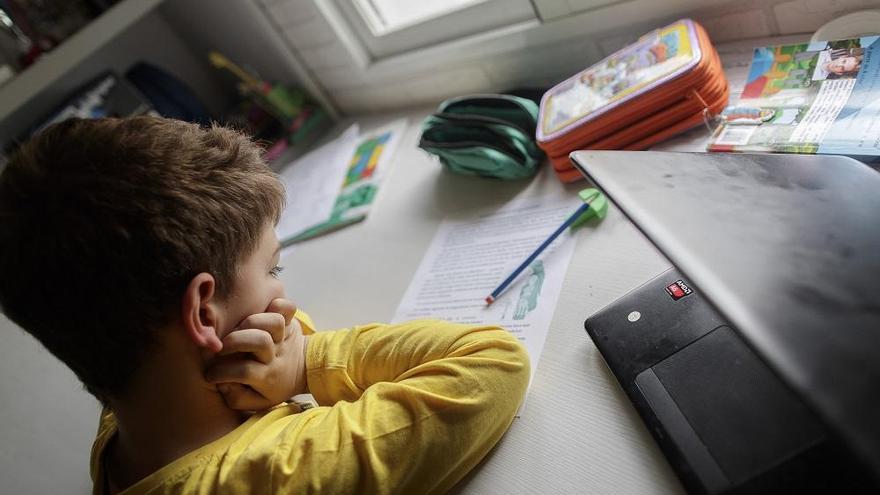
x=666 y=83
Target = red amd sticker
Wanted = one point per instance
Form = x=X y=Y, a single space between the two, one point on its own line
x=678 y=289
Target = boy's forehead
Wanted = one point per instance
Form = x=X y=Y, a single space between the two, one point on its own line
x=269 y=240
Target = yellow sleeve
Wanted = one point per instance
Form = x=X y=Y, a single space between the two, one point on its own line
x=407 y=408
x=305 y=322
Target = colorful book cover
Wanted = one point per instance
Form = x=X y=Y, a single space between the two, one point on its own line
x=367 y=168
x=656 y=58
x=820 y=97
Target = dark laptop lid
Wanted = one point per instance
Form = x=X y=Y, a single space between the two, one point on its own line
x=787 y=247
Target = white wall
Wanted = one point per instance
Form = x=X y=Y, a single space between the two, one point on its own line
x=538 y=56
x=48 y=420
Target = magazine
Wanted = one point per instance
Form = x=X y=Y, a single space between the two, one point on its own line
x=821 y=97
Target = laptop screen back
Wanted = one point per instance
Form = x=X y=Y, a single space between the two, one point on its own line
x=787 y=247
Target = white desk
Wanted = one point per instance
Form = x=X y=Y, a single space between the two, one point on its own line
x=578 y=432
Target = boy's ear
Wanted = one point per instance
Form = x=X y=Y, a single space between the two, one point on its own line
x=200 y=312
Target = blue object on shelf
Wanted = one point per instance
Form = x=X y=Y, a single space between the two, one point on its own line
x=170 y=96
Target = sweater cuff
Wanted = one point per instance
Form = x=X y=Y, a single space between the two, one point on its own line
x=316 y=358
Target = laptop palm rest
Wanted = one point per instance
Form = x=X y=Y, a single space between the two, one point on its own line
x=717 y=396
x=721 y=416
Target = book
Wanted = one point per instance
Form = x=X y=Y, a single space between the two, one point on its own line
x=820 y=97
x=365 y=162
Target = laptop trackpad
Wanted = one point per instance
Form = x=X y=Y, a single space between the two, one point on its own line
x=726 y=410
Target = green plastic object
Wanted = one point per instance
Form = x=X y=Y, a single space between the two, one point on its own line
x=288 y=102
x=598 y=206
x=486 y=135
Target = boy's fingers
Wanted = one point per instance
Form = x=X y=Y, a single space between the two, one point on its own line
x=257 y=342
x=284 y=307
x=244 y=371
x=243 y=398
x=294 y=327
x=273 y=323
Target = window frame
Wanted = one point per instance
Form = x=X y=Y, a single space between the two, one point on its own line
x=471 y=20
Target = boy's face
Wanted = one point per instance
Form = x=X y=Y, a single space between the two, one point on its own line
x=256 y=283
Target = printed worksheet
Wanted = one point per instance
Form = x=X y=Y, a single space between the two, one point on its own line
x=472 y=253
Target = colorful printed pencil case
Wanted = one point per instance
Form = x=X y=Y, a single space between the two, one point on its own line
x=667 y=82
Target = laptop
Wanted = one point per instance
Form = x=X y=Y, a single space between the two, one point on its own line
x=755 y=361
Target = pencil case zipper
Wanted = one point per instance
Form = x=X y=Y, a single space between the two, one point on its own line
x=505 y=140
x=668 y=122
x=511 y=153
x=451 y=103
x=694 y=102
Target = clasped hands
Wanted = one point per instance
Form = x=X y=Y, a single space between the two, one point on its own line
x=262 y=362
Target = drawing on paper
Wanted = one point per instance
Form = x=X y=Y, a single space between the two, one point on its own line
x=528 y=295
x=365 y=158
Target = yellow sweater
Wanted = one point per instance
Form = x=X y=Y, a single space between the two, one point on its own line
x=407 y=408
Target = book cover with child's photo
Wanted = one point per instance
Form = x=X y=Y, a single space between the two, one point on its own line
x=820 y=97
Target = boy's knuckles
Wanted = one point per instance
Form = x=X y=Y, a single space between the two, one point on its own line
x=241 y=398
x=257 y=342
x=284 y=307
x=241 y=372
x=280 y=322
x=259 y=321
x=265 y=341
x=273 y=323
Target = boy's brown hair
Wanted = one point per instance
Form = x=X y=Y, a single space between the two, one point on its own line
x=104 y=222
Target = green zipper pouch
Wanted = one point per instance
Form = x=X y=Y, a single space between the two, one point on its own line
x=486 y=135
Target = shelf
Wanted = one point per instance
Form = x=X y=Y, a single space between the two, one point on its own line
x=72 y=52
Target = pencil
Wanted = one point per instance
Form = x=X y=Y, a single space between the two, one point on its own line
x=570 y=220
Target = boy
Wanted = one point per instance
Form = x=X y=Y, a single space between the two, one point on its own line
x=141 y=252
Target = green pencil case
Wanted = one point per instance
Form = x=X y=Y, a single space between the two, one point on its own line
x=486 y=135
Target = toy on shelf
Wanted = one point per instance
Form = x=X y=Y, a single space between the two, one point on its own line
x=282 y=115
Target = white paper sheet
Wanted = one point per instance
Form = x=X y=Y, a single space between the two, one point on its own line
x=473 y=253
x=313 y=183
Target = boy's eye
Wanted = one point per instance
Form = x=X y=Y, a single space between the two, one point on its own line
x=276 y=271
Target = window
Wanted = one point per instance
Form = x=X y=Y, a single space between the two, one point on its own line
x=390 y=27
x=385 y=16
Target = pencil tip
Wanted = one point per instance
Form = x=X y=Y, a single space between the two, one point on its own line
x=489 y=300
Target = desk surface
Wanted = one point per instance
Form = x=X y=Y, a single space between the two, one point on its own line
x=578 y=432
